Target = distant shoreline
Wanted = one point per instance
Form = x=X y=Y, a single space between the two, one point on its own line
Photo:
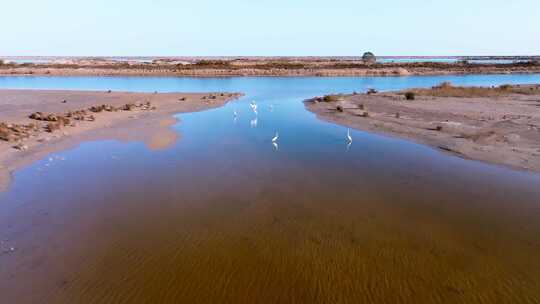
x=266 y=66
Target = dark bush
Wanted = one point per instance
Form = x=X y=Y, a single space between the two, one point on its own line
x=372 y=91
x=410 y=95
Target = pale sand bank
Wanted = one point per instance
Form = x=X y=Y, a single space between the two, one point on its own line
x=147 y=118
x=500 y=126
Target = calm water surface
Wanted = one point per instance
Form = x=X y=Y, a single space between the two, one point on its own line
x=224 y=216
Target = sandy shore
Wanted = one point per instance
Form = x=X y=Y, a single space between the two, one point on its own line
x=259 y=66
x=496 y=125
x=66 y=118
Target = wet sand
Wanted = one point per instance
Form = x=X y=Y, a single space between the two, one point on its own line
x=139 y=122
x=259 y=66
x=491 y=125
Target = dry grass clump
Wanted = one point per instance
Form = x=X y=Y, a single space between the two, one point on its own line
x=280 y=65
x=446 y=89
x=327 y=98
x=331 y=98
x=14 y=132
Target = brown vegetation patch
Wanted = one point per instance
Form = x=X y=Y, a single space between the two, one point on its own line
x=17 y=132
x=446 y=89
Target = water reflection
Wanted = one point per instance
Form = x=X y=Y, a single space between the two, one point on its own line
x=253 y=123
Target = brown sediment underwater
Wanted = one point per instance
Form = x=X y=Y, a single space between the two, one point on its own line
x=283 y=234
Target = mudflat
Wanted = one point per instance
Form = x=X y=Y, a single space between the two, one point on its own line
x=34 y=123
x=499 y=125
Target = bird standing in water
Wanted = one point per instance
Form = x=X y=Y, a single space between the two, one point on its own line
x=275 y=142
x=275 y=139
x=253 y=106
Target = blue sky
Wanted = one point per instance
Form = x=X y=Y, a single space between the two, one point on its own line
x=264 y=27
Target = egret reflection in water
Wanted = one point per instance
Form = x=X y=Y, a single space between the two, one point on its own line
x=253 y=123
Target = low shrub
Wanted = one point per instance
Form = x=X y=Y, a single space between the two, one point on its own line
x=372 y=91
x=211 y=63
x=410 y=95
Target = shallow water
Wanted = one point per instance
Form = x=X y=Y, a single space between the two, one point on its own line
x=224 y=216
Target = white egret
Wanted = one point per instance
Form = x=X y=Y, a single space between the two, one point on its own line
x=253 y=106
x=349 y=138
x=275 y=139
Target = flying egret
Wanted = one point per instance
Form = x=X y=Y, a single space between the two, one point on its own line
x=275 y=139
